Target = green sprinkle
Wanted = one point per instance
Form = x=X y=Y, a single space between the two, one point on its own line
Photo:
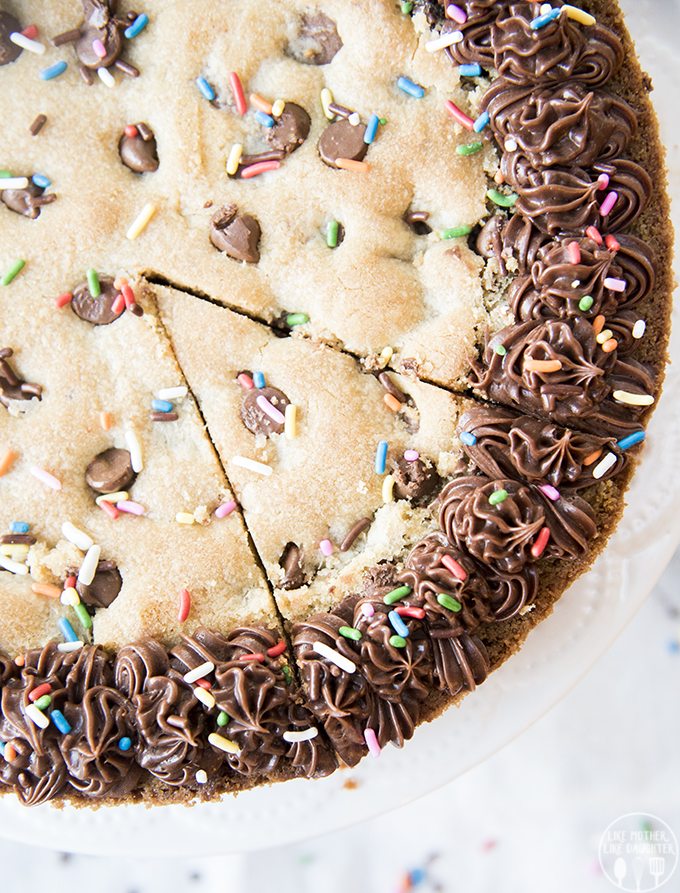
x=383 y=121
x=222 y=718
x=93 y=283
x=5 y=174
x=449 y=602
x=469 y=149
x=332 y=232
x=646 y=826
x=585 y=303
x=501 y=199
x=396 y=594
x=498 y=496
x=13 y=272
x=296 y=319
x=455 y=232
x=397 y=641
x=350 y=633
x=44 y=702
x=287 y=673
x=501 y=350
x=406 y=8
x=83 y=616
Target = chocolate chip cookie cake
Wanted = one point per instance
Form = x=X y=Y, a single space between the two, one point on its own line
x=328 y=342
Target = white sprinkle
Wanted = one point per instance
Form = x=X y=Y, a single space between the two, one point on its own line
x=172 y=393
x=14 y=567
x=603 y=466
x=119 y=496
x=205 y=697
x=45 y=477
x=37 y=716
x=141 y=221
x=222 y=743
x=201 y=776
x=33 y=46
x=89 y=566
x=631 y=399
x=106 y=77
x=70 y=597
x=199 y=672
x=135 y=448
x=575 y=283
x=354 y=119
x=252 y=465
x=545 y=8
x=639 y=328
x=304 y=735
x=335 y=657
x=446 y=40
x=70 y=646
x=510 y=145
x=14 y=183
x=79 y=538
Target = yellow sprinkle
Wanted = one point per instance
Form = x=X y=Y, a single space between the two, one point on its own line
x=70 y=597
x=222 y=743
x=120 y=496
x=604 y=335
x=18 y=551
x=633 y=399
x=141 y=221
x=184 y=518
x=388 y=488
x=234 y=158
x=326 y=99
x=7 y=460
x=578 y=15
x=385 y=355
x=291 y=426
x=204 y=696
x=277 y=108
x=105 y=420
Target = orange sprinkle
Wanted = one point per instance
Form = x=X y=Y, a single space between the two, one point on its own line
x=260 y=103
x=593 y=457
x=542 y=365
x=349 y=164
x=610 y=345
x=49 y=590
x=20 y=660
x=499 y=178
x=10 y=752
x=105 y=420
x=7 y=460
x=392 y=403
x=598 y=324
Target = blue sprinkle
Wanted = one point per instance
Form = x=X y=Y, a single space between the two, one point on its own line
x=473 y=70
x=398 y=624
x=381 y=457
x=19 y=527
x=125 y=743
x=162 y=405
x=53 y=71
x=406 y=85
x=467 y=438
x=205 y=89
x=2 y=748
x=137 y=26
x=258 y=379
x=481 y=122
x=264 y=119
x=371 y=129
x=67 y=630
x=546 y=19
x=674 y=646
x=60 y=722
x=632 y=439
x=417 y=876
x=41 y=180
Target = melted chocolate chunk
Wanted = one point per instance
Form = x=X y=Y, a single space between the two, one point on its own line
x=342 y=140
x=291 y=128
x=293 y=574
x=140 y=152
x=417 y=220
x=97 y=311
x=110 y=38
x=317 y=41
x=104 y=588
x=415 y=481
x=237 y=235
x=28 y=201
x=12 y=387
x=257 y=419
x=8 y=51
x=110 y=471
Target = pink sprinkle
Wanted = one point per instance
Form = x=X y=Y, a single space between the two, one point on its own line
x=45 y=477
x=261 y=167
x=459 y=115
x=238 y=94
x=273 y=413
x=455 y=567
x=371 y=740
x=132 y=508
x=225 y=509
x=574 y=250
x=99 y=48
x=549 y=491
x=411 y=455
x=118 y=304
x=615 y=284
x=245 y=381
x=611 y=243
x=541 y=542
x=602 y=182
x=608 y=204
x=31 y=31
x=326 y=547
x=456 y=13
x=184 y=605
x=593 y=233
x=367 y=610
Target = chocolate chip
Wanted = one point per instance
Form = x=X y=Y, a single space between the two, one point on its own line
x=139 y=153
x=98 y=311
x=255 y=418
x=104 y=588
x=317 y=41
x=417 y=220
x=342 y=140
x=110 y=471
x=415 y=481
x=293 y=575
x=8 y=51
x=291 y=128
x=28 y=201
x=237 y=235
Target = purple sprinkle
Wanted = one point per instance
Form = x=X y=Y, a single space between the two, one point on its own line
x=225 y=509
x=608 y=204
x=615 y=284
x=549 y=491
x=367 y=609
x=411 y=455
